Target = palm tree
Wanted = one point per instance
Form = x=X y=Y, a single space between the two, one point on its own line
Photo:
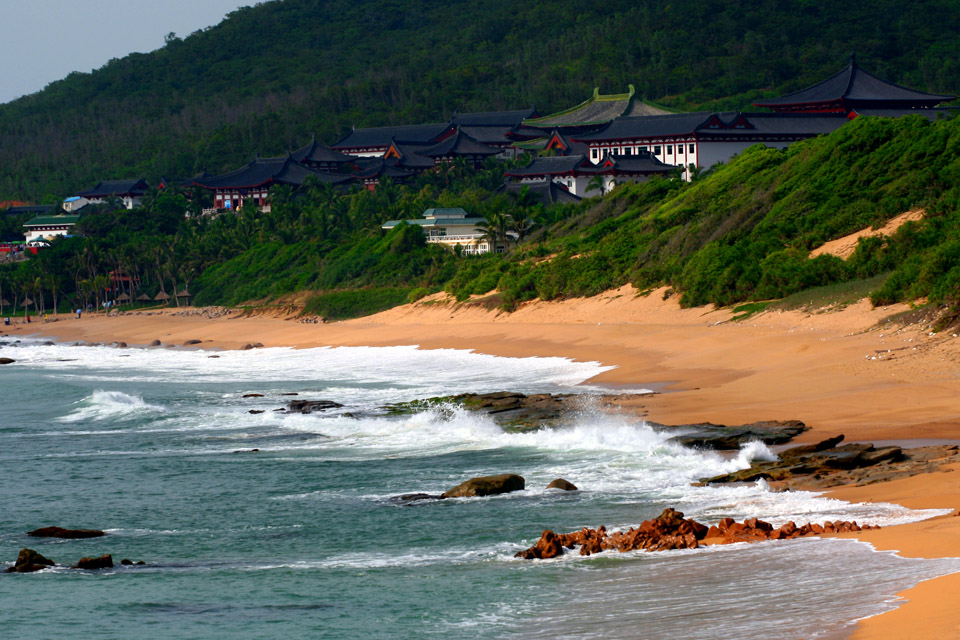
x=495 y=227
x=597 y=183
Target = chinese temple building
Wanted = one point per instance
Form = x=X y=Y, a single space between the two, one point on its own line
x=130 y=192
x=321 y=158
x=253 y=181
x=852 y=89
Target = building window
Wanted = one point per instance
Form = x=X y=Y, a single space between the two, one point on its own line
x=692 y=148
x=656 y=150
x=593 y=153
x=669 y=149
x=627 y=151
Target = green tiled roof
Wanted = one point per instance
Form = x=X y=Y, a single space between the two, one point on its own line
x=46 y=220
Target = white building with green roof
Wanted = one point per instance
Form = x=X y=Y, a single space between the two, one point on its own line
x=451 y=227
x=49 y=227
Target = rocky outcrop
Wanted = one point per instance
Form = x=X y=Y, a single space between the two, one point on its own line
x=70 y=534
x=670 y=530
x=309 y=406
x=667 y=531
x=187 y=343
x=29 y=561
x=706 y=435
x=7 y=360
x=727 y=531
x=252 y=395
x=562 y=484
x=487 y=486
x=155 y=343
x=251 y=345
x=127 y=562
x=828 y=464
x=514 y=412
x=92 y=564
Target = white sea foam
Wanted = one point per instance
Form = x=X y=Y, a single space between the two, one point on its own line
x=419 y=372
x=110 y=405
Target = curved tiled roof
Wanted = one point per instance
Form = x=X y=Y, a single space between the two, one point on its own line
x=493 y=118
x=261 y=171
x=320 y=154
x=382 y=136
x=460 y=144
x=107 y=188
x=855 y=85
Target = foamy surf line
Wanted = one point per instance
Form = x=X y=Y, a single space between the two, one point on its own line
x=432 y=368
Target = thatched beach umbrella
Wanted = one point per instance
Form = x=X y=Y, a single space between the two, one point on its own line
x=123 y=297
x=163 y=296
x=27 y=301
x=4 y=302
x=183 y=294
x=144 y=298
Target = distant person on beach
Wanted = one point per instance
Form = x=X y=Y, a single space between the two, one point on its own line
x=79 y=312
x=6 y=321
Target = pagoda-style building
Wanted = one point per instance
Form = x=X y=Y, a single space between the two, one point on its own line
x=460 y=145
x=374 y=141
x=253 y=181
x=322 y=158
x=130 y=192
x=853 y=89
x=373 y=171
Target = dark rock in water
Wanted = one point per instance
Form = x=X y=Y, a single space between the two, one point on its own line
x=255 y=411
x=60 y=532
x=514 y=412
x=563 y=485
x=309 y=406
x=7 y=360
x=126 y=562
x=251 y=345
x=407 y=498
x=252 y=395
x=140 y=563
x=213 y=356
x=487 y=486
x=103 y=562
x=155 y=343
x=707 y=435
x=246 y=450
x=825 y=464
x=29 y=561
x=293 y=393
x=190 y=342
x=121 y=345
x=49 y=344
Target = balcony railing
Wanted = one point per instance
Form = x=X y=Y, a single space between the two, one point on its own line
x=461 y=238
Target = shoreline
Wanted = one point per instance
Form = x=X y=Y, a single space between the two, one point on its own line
x=840 y=372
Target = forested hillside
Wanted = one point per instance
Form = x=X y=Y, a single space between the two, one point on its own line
x=269 y=76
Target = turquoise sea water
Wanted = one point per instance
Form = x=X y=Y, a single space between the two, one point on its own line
x=299 y=538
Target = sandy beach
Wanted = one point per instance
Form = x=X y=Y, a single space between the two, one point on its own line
x=849 y=371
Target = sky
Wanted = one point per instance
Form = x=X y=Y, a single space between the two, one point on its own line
x=44 y=40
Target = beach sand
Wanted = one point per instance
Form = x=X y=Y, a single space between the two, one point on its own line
x=844 y=371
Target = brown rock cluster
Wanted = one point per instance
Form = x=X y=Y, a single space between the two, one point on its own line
x=752 y=530
x=670 y=530
x=667 y=531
